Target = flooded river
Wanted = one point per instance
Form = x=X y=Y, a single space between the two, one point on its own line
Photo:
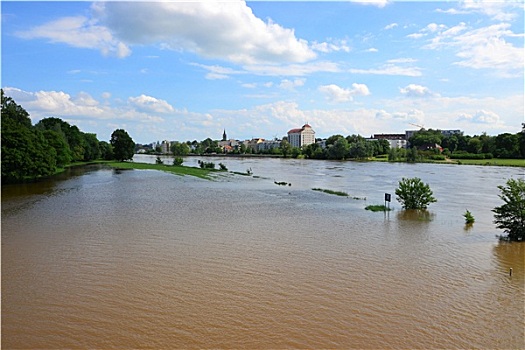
x=103 y=259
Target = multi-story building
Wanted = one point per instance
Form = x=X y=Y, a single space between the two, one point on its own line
x=301 y=137
x=395 y=140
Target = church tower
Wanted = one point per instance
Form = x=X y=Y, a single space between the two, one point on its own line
x=224 y=135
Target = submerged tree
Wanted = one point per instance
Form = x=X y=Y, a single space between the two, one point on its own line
x=414 y=194
x=511 y=216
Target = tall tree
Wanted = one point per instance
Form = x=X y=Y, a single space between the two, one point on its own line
x=123 y=145
x=180 y=149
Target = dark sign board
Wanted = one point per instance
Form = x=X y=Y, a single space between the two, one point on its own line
x=387 y=197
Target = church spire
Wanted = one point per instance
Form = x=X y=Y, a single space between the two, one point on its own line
x=224 y=135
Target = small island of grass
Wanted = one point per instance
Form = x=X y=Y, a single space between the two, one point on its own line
x=378 y=207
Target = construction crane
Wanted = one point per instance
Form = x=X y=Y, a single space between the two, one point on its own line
x=419 y=126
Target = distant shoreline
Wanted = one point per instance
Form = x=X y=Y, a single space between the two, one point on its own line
x=483 y=162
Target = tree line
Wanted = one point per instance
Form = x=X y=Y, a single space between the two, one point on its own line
x=34 y=151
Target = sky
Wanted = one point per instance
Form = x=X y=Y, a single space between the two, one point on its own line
x=184 y=71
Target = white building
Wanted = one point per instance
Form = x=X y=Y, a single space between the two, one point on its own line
x=301 y=137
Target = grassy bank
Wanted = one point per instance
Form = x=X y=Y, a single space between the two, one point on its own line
x=178 y=170
x=487 y=162
x=491 y=162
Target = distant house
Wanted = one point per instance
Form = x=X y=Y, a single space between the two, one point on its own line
x=301 y=137
x=395 y=140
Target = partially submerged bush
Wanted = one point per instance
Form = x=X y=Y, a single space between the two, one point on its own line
x=469 y=218
x=511 y=216
x=414 y=194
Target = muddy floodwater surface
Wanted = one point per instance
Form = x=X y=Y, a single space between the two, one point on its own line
x=98 y=258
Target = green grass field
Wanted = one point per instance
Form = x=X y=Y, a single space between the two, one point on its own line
x=488 y=162
x=493 y=162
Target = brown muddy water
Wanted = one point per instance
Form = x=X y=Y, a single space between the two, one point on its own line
x=143 y=259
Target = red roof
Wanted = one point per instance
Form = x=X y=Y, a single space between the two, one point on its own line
x=294 y=131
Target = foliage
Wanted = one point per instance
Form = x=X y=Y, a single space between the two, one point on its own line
x=123 y=145
x=339 y=149
x=106 y=150
x=206 y=165
x=361 y=149
x=377 y=207
x=26 y=153
x=286 y=148
x=412 y=155
x=511 y=215
x=337 y=193
x=412 y=193
x=222 y=167
x=423 y=137
x=466 y=155
x=180 y=149
x=469 y=218
x=178 y=161
x=158 y=160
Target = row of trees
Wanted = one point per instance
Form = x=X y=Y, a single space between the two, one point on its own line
x=30 y=152
x=505 y=145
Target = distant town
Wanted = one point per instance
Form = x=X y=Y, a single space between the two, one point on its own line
x=297 y=138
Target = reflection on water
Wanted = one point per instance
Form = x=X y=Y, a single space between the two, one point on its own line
x=144 y=259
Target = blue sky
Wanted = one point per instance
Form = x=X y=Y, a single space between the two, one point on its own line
x=187 y=70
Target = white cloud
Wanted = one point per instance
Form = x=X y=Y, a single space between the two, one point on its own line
x=389 y=69
x=222 y=30
x=497 y=10
x=483 y=48
x=378 y=3
x=414 y=90
x=336 y=93
x=481 y=117
x=79 y=32
x=150 y=104
x=293 y=69
x=391 y=26
x=331 y=46
x=291 y=84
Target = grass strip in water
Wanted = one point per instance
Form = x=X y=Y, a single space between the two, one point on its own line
x=337 y=193
x=174 y=169
x=377 y=207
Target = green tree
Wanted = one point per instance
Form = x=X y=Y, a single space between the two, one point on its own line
x=26 y=154
x=412 y=193
x=286 y=148
x=106 y=150
x=296 y=152
x=511 y=215
x=412 y=155
x=339 y=149
x=122 y=144
x=58 y=142
x=331 y=140
x=361 y=149
x=507 y=146
x=180 y=149
x=91 y=147
x=423 y=137
x=313 y=151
